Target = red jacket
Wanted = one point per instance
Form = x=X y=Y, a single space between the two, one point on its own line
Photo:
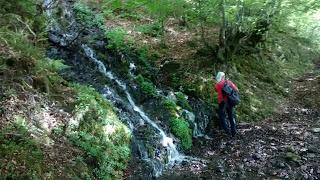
x=219 y=87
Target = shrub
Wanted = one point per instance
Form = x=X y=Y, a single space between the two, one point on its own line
x=18 y=149
x=88 y=17
x=146 y=85
x=183 y=101
x=118 y=40
x=181 y=129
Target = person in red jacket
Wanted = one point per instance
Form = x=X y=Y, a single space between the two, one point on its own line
x=224 y=107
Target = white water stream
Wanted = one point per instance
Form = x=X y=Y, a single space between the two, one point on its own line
x=173 y=156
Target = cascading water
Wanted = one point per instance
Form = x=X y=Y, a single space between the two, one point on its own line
x=174 y=156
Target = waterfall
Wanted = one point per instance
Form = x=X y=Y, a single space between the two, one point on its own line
x=173 y=156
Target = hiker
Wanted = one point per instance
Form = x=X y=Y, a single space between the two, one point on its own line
x=226 y=103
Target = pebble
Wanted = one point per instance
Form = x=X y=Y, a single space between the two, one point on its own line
x=282 y=165
x=241 y=167
x=311 y=171
x=256 y=156
x=210 y=153
x=304 y=168
x=315 y=130
x=303 y=149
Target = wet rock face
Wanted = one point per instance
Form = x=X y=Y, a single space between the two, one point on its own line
x=204 y=116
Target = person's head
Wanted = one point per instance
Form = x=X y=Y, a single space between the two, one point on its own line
x=220 y=76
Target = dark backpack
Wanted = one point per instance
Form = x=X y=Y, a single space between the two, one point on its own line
x=233 y=95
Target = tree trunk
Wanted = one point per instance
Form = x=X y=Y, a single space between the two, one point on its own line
x=222 y=54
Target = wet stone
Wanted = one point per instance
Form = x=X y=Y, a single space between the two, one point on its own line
x=305 y=176
x=256 y=156
x=315 y=130
x=304 y=168
x=311 y=171
x=184 y=163
x=281 y=165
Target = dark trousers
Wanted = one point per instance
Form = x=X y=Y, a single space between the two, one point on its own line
x=225 y=109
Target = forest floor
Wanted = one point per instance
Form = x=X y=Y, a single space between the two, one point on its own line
x=285 y=145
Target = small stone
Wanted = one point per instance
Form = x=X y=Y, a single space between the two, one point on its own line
x=261 y=173
x=282 y=165
x=256 y=156
x=283 y=174
x=304 y=168
x=311 y=171
x=210 y=153
x=315 y=130
x=184 y=163
x=241 y=167
x=219 y=168
x=303 y=149
x=305 y=176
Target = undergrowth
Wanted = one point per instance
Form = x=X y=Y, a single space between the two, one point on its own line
x=100 y=134
x=21 y=156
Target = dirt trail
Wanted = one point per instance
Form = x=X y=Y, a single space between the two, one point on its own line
x=286 y=145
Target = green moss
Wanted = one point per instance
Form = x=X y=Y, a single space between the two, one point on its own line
x=100 y=134
x=180 y=128
x=183 y=101
x=146 y=85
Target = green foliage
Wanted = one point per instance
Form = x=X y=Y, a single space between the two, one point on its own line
x=23 y=17
x=181 y=129
x=169 y=105
x=146 y=86
x=24 y=8
x=100 y=134
x=183 y=101
x=18 y=149
x=88 y=17
x=153 y=30
x=118 y=40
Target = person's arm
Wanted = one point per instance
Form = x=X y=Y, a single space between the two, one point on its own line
x=219 y=91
